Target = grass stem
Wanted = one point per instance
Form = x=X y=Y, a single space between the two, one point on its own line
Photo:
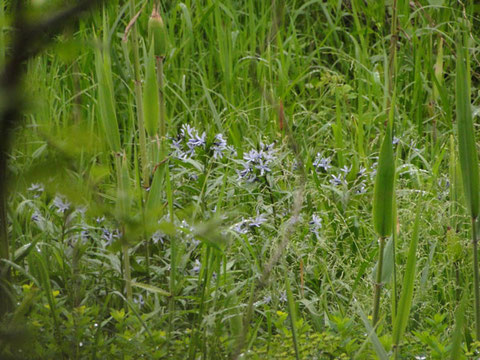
x=476 y=280
x=378 y=283
x=127 y=273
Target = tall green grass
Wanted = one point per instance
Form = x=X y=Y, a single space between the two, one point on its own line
x=347 y=80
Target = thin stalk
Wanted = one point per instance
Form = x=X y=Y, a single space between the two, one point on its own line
x=2 y=35
x=395 y=290
x=378 y=283
x=127 y=273
x=173 y=255
x=138 y=98
x=392 y=56
x=272 y=198
x=476 y=280
x=147 y=254
x=161 y=98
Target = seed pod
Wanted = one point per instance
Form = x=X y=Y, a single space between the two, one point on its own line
x=157 y=32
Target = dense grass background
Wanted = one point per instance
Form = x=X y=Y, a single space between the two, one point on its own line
x=220 y=266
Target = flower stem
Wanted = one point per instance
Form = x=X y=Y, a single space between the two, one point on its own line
x=378 y=283
x=161 y=97
x=127 y=274
x=476 y=278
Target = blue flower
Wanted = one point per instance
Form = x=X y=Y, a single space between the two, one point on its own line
x=263 y=168
x=361 y=189
x=36 y=216
x=139 y=300
x=315 y=224
x=321 y=163
x=197 y=141
x=241 y=227
x=197 y=266
x=346 y=170
x=37 y=189
x=362 y=171
x=219 y=146
x=158 y=236
x=258 y=221
x=336 y=180
x=110 y=236
x=61 y=204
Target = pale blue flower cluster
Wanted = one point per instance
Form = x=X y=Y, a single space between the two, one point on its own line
x=321 y=162
x=257 y=163
x=246 y=224
x=186 y=143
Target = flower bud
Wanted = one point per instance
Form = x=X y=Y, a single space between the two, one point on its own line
x=157 y=32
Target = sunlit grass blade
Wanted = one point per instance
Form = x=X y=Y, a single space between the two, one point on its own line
x=405 y=303
x=468 y=158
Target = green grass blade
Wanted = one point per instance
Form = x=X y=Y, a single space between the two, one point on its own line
x=106 y=100
x=151 y=106
x=372 y=336
x=466 y=135
x=383 y=192
x=456 y=348
x=123 y=190
x=405 y=302
x=293 y=317
x=151 y=288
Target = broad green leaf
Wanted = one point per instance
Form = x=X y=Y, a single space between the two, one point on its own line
x=387 y=268
x=384 y=185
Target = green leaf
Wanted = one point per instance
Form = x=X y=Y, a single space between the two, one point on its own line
x=405 y=303
x=387 y=268
x=372 y=336
x=151 y=288
x=456 y=348
x=151 y=105
x=384 y=186
x=466 y=135
x=293 y=317
x=106 y=100
x=124 y=199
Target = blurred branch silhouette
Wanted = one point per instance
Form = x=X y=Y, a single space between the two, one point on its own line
x=27 y=40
